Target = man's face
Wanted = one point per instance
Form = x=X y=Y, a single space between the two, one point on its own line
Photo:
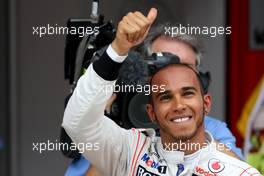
x=179 y=110
x=184 y=51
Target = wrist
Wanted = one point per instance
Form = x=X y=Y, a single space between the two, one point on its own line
x=121 y=51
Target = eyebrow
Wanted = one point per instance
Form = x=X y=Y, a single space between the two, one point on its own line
x=163 y=93
x=169 y=91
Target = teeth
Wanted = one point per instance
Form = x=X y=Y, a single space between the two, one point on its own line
x=185 y=119
x=179 y=120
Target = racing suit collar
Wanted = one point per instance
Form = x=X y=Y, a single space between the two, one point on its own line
x=177 y=157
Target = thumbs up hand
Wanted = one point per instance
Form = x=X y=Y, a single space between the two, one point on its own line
x=132 y=30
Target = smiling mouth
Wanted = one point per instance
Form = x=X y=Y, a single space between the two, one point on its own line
x=181 y=119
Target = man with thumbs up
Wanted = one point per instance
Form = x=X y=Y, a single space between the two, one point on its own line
x=179 y=111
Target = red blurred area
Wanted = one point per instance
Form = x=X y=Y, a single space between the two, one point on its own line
x=245 y=66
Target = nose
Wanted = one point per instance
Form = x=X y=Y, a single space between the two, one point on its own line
x=178 y=104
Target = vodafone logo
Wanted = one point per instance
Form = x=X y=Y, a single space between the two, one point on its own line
x=203 y=172
x=215 y=165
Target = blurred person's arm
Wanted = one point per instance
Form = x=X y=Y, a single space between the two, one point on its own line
x=223 y=135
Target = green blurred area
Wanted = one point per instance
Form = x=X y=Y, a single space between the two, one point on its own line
x=257 y=161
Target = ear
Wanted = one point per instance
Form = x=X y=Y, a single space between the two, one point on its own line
x=151 y=113
x=207 y=103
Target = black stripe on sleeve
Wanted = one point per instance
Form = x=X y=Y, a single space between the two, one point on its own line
x=106 y=68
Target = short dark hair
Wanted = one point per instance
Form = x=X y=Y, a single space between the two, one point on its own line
x=204 y=79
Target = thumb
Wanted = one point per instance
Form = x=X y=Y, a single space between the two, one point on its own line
x=152 y=14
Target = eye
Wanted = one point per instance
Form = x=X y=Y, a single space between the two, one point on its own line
x=165 y=97
x=188 y=93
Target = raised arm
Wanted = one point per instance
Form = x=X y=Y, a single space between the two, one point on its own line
x=84 y=120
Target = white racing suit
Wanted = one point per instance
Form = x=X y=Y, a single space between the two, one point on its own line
x=119 y=152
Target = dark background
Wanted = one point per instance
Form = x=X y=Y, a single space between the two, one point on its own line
x=4 y=88
x=32 y=76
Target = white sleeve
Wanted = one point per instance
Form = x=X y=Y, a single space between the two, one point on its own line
x=114 y=56
x=84 y=121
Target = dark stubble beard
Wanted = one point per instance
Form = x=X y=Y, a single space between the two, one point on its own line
x=184 y=138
